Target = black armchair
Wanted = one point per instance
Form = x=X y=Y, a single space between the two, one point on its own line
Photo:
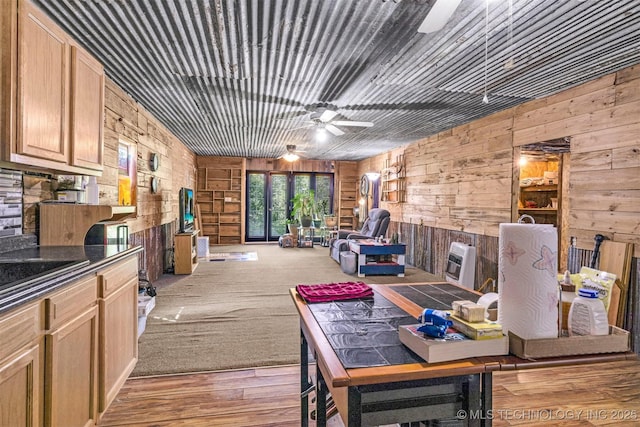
x=375 y=225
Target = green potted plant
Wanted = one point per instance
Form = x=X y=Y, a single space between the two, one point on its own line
x=292 y=226
x=303 y=207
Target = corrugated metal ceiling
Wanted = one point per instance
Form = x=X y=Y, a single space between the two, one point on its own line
x=241 y=77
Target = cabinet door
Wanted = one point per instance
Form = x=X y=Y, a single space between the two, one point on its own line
x=71 y=374
x=87 y=106
x=43 y=61
x=19 y=388
x=119 y=340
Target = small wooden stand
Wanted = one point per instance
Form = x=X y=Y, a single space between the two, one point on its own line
x=186 y=252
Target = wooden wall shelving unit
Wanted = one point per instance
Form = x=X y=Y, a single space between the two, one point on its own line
x=220 y=197
x=347 y=200
x=543 y=213
x=393 y=182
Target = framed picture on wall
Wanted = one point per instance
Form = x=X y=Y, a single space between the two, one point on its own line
x=123 y=159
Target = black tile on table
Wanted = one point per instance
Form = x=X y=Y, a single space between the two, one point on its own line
x=447 y=293
x=359 y=315
x=357 y=304
x=420 y=299
x=360 y=357
x=399 y=355
x=453 y=292
x=389 y=313
x=330 y=316
x=356 y=341
x=343 y=327
x=394 y=323
x=381 y=301
x=374 y=326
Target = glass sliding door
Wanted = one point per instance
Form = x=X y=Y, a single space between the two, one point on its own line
x=267 y=205
x=279 y=205
x=256 y=206
x=269 y=197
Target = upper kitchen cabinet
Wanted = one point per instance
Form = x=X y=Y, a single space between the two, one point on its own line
x=87 y=110
x=52 y=113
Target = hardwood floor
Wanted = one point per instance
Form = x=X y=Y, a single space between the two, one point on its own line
x=599 y=394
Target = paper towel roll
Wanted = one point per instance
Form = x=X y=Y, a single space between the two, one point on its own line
x=527 y=283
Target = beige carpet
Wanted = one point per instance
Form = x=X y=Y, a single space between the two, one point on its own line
x=238 y=314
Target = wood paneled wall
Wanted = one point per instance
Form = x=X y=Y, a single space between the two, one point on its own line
x=154 y=224
x=465 y=179
x=125 y=118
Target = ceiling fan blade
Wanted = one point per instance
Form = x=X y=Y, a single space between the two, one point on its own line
x=334 y=130
x=438 y=16
x=327 y=115
x=352 y=123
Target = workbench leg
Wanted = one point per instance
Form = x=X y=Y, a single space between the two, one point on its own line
x=321 y=399
x=354 y=407
x=487 y=398
x=305 y=386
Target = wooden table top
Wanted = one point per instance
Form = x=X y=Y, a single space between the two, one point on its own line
x=337 y=376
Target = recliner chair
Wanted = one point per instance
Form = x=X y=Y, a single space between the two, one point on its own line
x=375 y=225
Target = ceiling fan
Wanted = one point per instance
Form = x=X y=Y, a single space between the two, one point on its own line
x=323 y=119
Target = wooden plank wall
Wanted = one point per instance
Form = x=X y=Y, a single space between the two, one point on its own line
x=463 y=179
x=155 y=222
x=602 y=118
x=126 y=118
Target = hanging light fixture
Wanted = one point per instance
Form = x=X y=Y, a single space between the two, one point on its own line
x=290 y=155
x=321 y=134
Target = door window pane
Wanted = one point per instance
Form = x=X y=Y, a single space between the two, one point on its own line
x=323 y=193
x=256 y=205
x=279 y=204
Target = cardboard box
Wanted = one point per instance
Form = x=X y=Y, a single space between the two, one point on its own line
x=145 y=304
x=616 y=342
x=453 y=346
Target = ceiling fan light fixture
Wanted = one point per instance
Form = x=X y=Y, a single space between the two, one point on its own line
x=321 y=134
x=291 y=157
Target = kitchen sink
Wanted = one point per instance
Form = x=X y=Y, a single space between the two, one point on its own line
x=14 y=272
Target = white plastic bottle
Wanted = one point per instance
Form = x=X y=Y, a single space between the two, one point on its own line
x=92 y=191
x=587 y=315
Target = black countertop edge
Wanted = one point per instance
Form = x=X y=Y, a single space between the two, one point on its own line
x=91 y=259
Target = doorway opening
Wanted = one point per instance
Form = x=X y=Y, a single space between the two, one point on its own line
x=542 y=168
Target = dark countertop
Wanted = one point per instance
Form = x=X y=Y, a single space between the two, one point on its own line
x=88 y=259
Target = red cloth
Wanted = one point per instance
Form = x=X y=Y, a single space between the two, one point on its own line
x=334 y=291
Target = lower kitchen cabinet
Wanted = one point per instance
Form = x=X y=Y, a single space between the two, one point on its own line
x=71 y=350
x=118 y=349
x=71 y=372
x=64 y=358
x=21 y=367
